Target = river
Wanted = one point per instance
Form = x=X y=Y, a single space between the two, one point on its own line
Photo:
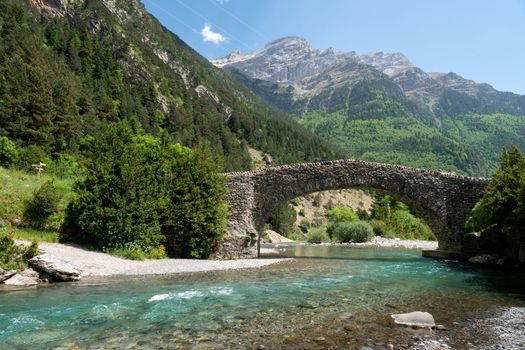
x=329 y=297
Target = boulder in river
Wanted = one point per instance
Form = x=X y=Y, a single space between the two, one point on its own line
x=55 y=267
x=19 y=280
x=486 y=259
x=416 y=319
x=5 y=275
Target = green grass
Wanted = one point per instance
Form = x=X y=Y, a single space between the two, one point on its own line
x=28 y=234
x=17 y=187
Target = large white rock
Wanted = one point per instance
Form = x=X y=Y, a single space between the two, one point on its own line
x=4 y=275
x=417 y=319
x=55 y=267
x=19 y=280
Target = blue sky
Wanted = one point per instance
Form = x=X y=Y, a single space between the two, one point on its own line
x=483 y=40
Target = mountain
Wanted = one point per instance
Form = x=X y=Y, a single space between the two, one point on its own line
x=70 y=67
x=381 y=107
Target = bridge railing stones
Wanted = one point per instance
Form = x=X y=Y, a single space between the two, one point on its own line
x=443 y=199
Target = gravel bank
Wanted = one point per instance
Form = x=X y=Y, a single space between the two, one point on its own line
x=95 y=264
x=395 y=243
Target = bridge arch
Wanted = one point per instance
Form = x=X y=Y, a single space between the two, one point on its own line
x=444 y=200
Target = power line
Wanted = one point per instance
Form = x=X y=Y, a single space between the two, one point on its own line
x=195 y=31
x=216 y=26
x=261 y=35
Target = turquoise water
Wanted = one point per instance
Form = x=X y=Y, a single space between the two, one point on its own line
x=342 y=297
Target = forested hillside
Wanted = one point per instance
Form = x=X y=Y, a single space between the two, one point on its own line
x=381 y=107
x=69 y=68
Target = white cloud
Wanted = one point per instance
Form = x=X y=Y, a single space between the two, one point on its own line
x=209 y=35
x=222 y=2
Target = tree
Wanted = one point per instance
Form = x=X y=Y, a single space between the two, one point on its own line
x=139 y=189
x=504 y=199
x=283 y=219
x=8 y=152
x=198 y=212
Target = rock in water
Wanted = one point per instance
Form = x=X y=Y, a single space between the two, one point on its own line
x=55 y=267
x=486 y=259
x=5 y=275
x=417 y=319
x=19 y=280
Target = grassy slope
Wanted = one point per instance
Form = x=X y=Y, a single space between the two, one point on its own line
x=16 y=188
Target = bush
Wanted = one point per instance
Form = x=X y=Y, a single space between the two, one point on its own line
x=362 y=215
x=64 y=166
x=8 y=153
x=302 y=212
x=43 y=204
x=407 y=226
x=14 y=256
x=354 y=232
x=198 y=213
x=379 y=227
x=341 y=213
x=504 y=198
x=30 y=155
x=283 y=219
x=139 y=189
x=317 y=236
x=295 y=202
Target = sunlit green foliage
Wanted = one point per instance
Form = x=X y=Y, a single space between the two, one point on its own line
x=317 y=235
x=352 y=232
x=390 y=217
x=15 y=256
x=139 y=189
x=282 y=219
x=504 y=198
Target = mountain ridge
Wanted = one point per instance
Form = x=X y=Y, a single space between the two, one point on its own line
x=381 y=107
x=277 y=59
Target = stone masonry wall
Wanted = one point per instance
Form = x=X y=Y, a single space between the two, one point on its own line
x=444 y=200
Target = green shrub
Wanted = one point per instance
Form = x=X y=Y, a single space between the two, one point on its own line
x=302 y=212
x=504 y=198
x=130 y=250
x=30 y=155
x=341 y=213
x=64 y=166
x=14 y=256
x=8 y=152
x=379 y=227
x=198 y=213
x=407 y=226
x=296 y=235
x=295 y=202
x=306 y=223
x=317 y=236
x=354 y=232
x=43 y=204
x=139 y=189
x=283 y=219
x=362 y=215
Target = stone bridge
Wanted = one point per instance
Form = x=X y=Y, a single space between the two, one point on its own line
x=443 y=200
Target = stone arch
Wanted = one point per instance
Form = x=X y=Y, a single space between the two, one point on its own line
x=444 y=200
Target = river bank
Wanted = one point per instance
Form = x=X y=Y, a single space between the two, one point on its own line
x=376 y=242
x=96 y=264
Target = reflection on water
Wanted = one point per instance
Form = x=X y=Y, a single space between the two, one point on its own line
x=311 y=302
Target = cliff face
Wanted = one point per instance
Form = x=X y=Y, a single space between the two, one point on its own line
x=291 y=61
x=381 y=107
